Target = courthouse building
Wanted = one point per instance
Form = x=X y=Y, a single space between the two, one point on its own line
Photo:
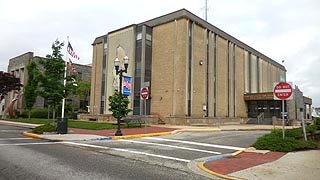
x=196 y=71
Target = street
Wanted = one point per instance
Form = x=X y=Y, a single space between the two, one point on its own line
x=165 y=157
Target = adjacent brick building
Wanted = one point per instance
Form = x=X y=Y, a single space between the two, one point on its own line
x=18 y=67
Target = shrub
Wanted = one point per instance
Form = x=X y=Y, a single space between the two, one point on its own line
x=311 y=129
x=45 y=128
x=292 y=133
x=317 y=121
x=296 y=133
x=275 y=143
x=293 y=140
x=36 y=113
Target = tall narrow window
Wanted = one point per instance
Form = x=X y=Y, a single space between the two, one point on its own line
x=228 y=78
x=234 y=80
x=215 y=75
x=190 y=68
x=137 y=71
x=258 y=74
x=103 y=78
x=207 y=75
x=250 y=74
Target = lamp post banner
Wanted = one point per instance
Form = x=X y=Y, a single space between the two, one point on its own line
x=126 y=85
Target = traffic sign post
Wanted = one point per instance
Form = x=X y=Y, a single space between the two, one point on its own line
x=282 y=91
x=144 y=94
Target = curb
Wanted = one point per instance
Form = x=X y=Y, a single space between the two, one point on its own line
x=144 y=135
x=202 y=167
x=162 y=133
x=33 y=135
x=198 y=130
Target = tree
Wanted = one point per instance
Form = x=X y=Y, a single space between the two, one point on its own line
x=51 y=81
x=121 y=111
x=83 y=90
x=8 y=83
x=31 y=88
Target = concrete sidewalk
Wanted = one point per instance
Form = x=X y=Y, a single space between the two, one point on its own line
x=294 y=166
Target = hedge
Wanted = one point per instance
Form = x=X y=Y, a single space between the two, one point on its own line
x=293 y=140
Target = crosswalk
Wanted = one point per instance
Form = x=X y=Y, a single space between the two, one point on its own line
x=159 y=147
x=126 y=150
x=196 y=143
x=172 y=146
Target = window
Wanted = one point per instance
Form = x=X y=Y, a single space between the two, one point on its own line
x=139 y=36
x=149 y=37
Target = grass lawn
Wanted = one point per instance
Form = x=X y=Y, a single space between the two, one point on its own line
x=77 y=124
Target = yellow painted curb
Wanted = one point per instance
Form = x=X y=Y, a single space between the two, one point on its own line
x=198 y=130
x=237 y=152
x=162 y=133
x=33 y=135
x=201 y=166
x=143 y=135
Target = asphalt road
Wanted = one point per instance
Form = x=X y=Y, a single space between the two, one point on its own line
x=25 y=158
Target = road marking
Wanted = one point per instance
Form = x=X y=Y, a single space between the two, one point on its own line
x=129 y=151
x=196 y=143
x=4 y=139
x=5 y=130
x=166 y=145
x=26 y=144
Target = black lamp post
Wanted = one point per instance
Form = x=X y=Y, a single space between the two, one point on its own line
x=120 y=71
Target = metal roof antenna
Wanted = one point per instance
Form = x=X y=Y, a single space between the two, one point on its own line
x=205 y=9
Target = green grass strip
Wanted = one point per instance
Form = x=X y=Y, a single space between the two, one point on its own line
x=77 y=124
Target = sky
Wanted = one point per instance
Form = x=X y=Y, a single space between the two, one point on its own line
x=286 y=30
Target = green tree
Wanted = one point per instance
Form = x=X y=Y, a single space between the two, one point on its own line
x=51 y=82
x=121 y=111
x=31 y=88
x=8 y=83
x=83 y=90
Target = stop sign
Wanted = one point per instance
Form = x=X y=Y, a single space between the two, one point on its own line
x=282 y=91
x=144 y=93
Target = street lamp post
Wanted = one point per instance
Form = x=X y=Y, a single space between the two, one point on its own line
x=120 y=71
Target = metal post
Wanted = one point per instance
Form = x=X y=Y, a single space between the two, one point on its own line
x=119 y=133
x=283 y=130
x=145 y=116
x=303 y=125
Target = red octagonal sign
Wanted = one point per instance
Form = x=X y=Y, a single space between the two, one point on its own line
x=144 y=93
x=282 y=91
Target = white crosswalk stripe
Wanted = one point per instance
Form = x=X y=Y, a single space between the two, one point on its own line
x=5 y=139
x=27 y=144
x=195 y=143
x=171 y=146
x=128 y=151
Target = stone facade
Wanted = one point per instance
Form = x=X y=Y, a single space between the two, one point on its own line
x=18 y=67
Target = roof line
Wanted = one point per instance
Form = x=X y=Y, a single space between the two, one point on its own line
x=183 y=13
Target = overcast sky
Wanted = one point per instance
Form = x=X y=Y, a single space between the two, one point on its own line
x=286 y=30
